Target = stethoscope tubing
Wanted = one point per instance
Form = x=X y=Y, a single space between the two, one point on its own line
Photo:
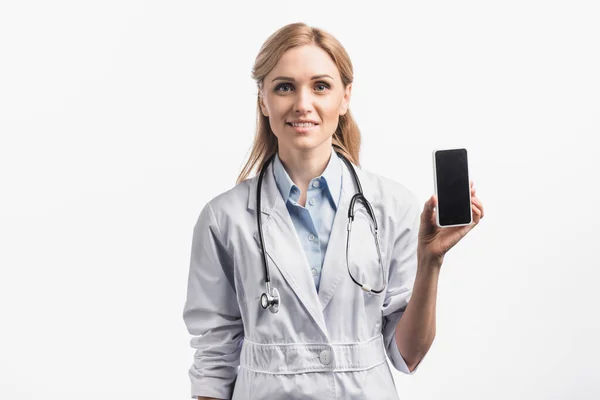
x=271 y=299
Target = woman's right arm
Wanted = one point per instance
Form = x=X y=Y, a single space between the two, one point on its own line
x=211 y=312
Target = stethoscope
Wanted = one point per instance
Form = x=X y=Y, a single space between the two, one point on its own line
x=271 y=299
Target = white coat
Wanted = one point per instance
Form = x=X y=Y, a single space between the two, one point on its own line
x=326 y=345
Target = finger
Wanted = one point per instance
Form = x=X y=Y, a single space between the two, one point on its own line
x=433 y=211
x=478 y=204
x=426 y=210
x=429 y=205
x=476 y=214
x=426 y=218
x=428 y=213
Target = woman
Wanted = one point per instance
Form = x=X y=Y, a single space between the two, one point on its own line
x=326 y=338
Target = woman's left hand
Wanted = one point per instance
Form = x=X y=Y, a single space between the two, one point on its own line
x=434 y=242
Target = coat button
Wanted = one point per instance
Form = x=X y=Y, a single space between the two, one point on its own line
x=325 y=357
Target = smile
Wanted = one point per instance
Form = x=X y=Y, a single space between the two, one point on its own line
x=301 y=124
x=302 y=127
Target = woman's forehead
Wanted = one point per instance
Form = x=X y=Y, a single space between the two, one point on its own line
x=303 y=63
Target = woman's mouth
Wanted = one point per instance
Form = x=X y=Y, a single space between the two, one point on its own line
x=301 y=127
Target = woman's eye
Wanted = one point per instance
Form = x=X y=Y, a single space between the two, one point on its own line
x=322 y=85
x=283 y=85
x=286 y=87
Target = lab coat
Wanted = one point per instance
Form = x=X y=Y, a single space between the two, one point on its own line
x=330 y=344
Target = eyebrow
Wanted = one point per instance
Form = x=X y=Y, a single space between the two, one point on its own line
x=287 y=78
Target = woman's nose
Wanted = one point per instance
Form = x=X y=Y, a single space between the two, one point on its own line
x=304 y=101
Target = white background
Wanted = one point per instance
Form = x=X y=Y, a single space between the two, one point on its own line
x=119 y=120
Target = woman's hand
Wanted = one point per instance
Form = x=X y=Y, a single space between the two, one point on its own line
x=434 y=242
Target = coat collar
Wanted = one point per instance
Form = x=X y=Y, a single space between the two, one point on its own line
x=288 y=255
x=270 y=192
x=332 y=175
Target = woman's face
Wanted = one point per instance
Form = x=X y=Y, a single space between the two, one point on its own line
x=305 y=85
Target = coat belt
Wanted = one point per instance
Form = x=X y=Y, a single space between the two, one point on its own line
x=297 y=358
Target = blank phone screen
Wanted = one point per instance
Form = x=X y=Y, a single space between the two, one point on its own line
x=452 y=175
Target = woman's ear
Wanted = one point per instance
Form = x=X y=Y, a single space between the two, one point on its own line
x=346 y=99
x=263 y=108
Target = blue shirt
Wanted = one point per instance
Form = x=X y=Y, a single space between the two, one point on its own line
x=313 y=223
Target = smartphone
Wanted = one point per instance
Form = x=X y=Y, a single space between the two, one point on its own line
x=452 y=187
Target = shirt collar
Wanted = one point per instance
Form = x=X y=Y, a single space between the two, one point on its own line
x=331 y=177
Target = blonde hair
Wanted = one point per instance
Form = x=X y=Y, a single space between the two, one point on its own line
x=346 y=138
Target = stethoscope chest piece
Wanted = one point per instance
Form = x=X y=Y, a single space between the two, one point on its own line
x=271 y=300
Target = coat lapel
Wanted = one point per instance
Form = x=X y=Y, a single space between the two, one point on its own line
x=283 y=246
x=285 y=251
x=334 y=265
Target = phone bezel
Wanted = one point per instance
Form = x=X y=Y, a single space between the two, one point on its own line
x=435 y=186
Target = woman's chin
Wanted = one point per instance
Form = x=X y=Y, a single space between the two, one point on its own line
x=301 y=141
x=305 y=144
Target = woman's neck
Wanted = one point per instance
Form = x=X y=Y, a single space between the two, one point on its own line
x=302 y=167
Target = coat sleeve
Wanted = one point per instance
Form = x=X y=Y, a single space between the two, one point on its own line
x=211 y=312
x=401 y=279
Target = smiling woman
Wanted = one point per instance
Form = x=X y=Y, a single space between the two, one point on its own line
x=329 y=315
x=303 y=97
x=304 y=75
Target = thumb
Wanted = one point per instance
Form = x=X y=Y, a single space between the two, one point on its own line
x=428 y=209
